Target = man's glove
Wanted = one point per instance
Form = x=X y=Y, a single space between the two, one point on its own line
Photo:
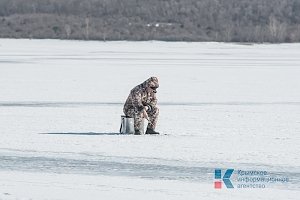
x=145 y=115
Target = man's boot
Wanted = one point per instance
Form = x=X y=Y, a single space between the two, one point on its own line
x=151 y=131
x=137 y=132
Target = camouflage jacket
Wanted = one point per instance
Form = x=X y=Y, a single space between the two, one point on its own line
x=140 y=97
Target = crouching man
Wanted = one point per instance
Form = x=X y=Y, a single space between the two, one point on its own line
x=141 y=103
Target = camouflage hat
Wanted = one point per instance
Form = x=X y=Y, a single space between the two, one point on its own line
x=152 y=82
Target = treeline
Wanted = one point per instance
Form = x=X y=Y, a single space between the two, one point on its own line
x=168 y=20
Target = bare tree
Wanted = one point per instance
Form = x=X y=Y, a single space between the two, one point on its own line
x=68 y=30
x=87 y=26
x=277 y=29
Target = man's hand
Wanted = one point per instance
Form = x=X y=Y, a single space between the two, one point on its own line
x=145 y=115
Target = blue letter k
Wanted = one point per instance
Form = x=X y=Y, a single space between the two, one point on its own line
x=226 y=178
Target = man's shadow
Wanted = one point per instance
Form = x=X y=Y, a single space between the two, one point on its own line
x=85 y=133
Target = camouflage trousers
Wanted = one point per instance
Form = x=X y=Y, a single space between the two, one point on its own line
x=139 y=115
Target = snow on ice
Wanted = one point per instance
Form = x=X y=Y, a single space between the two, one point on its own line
x=221 y=106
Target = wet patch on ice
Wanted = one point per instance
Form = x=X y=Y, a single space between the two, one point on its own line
x=121 y=166
x=87 y=133
x=80 y=104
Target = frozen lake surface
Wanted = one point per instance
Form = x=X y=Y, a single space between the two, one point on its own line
x=221 y=106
